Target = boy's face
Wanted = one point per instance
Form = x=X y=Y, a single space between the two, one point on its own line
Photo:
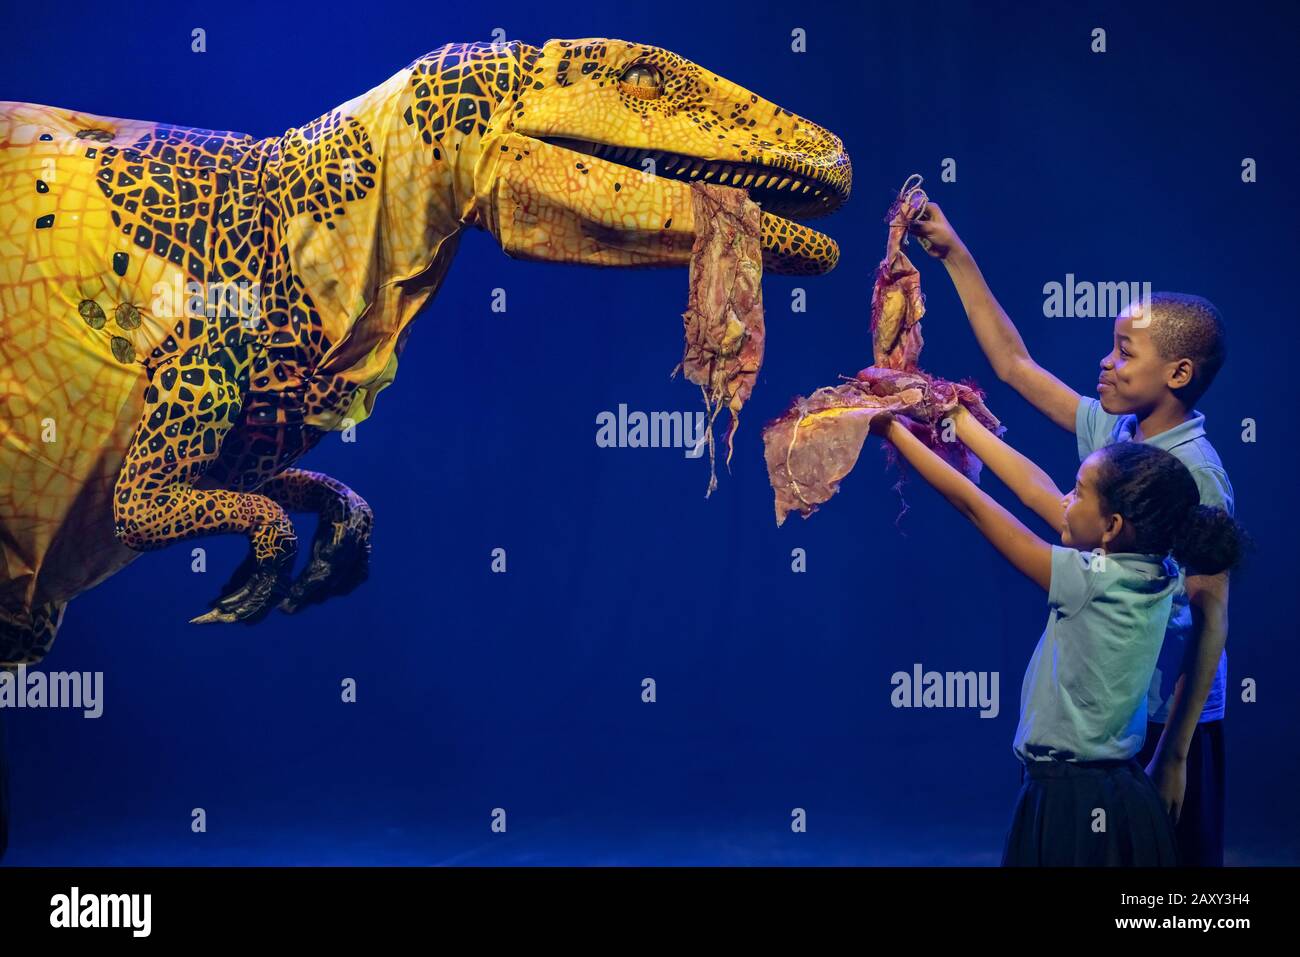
x=1086 y=525
x=1134 y=376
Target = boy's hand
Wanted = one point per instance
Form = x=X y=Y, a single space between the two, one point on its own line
x=1169 y=775
x=935 y=233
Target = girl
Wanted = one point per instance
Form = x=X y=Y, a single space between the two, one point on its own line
x=1085 y=800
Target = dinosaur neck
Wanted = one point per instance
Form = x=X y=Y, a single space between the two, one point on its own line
x=377 y=192
x=458 y=89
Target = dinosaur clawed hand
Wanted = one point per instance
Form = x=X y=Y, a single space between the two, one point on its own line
x=339 y=562
x=340 y=558
x=252 y=591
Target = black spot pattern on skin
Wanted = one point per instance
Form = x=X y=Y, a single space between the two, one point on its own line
x=228 y=399
x=798 y=150
x=120 y=261
x=456 y=88
x=203 y=200
x=332 y=164
x=214 y=204
x=45 y=222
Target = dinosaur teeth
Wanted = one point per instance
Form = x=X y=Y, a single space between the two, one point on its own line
x=817 y=197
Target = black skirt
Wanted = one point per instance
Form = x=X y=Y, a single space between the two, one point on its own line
x=1089 y=814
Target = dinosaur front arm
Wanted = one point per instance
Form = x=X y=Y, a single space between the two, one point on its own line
x=189 y=408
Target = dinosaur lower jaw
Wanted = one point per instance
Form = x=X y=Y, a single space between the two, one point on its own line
x=789 y=247
x=792 y=249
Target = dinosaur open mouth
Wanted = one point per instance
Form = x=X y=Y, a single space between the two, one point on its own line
x=790 y=194
x=784 y=195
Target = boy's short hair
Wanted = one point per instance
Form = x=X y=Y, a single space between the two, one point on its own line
x=1190 y=327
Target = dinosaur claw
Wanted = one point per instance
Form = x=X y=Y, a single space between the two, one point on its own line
x=212 y=617
x=251 y=593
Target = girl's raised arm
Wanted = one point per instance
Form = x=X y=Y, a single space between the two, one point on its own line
x=1025 y=550
x=1031 y=485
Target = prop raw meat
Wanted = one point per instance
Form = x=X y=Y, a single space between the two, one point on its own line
x=724 y=314
x=817 y=441
x=896 y=301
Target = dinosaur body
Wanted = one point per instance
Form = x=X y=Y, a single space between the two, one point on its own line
x=185 y=312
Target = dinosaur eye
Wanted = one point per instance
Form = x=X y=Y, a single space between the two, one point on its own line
x=642 y=79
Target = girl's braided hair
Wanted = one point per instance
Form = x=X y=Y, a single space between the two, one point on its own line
x=1157 y=495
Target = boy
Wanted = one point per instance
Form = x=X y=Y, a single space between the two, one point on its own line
x=1164 y=356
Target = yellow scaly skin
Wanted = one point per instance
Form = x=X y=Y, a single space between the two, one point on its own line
x=135 y=416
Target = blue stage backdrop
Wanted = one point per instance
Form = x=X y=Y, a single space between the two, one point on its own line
x=522 y=691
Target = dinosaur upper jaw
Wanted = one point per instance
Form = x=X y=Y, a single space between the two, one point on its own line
x=800 y=194
x=784 y=195
x=561 y=199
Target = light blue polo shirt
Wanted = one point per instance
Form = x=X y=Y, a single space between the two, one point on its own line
x=1084 y=697
x=1094 y=428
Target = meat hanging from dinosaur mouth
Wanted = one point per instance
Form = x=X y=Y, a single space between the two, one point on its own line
x=816 y=443
x=724 y=312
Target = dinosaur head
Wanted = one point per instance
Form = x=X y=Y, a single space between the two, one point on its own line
x=588 y=158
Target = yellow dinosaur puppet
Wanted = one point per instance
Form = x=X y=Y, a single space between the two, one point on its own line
x=185 y=312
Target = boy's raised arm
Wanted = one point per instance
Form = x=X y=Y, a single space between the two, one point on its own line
x=996 y=333
x=1025 y=550
x=1031 y=484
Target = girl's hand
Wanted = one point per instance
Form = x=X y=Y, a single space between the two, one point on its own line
x=881 y=423
x=936 y=234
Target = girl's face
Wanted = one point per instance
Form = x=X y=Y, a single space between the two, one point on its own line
x=1088 y=524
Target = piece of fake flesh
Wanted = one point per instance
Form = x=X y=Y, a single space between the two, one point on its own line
x=724 y=312
x=816 y=443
